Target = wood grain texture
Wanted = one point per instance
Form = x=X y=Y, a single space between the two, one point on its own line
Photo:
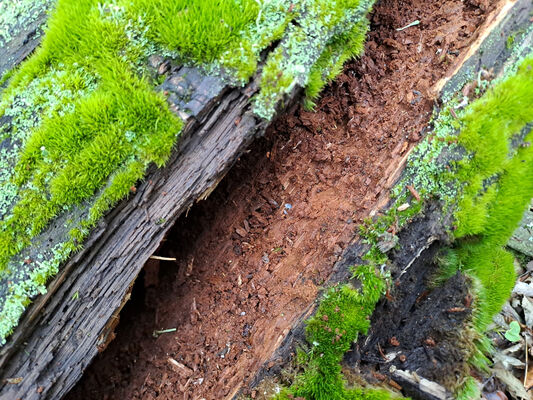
x=60 y=334
x=62 y=331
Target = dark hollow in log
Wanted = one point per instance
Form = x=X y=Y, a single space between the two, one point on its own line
x=58 y=337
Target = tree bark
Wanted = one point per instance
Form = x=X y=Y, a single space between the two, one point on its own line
x=62 y=331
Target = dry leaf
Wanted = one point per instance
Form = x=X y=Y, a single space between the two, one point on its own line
x=514 y=386
x=523 y=288
x=507 y=362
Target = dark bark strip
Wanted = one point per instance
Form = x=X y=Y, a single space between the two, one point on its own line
x=58 y=336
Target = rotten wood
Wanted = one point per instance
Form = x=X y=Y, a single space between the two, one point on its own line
x=420 y=239
x=58 y=336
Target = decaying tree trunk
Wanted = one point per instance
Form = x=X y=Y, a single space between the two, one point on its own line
x=58 y=337
x=412 y=263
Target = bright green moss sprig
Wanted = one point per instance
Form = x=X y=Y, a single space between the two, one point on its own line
x=488 y=127
x=498 y=187
x=343 y=314
x=482 y=254
x=340 y=49
x=327 y=33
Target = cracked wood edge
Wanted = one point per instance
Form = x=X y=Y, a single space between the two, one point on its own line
x=355 y=250
x=58 y=336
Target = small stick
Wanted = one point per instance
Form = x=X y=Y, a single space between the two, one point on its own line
x=163 y=258
x=181 y=368
x=157 y=333
x=414 y=23
x=413 y=192
x=452 y=111
x=381 y=352
x=525 y=373
x=455 y=309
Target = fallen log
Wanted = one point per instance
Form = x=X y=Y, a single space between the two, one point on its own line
x=64 y=329
x=45 y=351
x=407 y=311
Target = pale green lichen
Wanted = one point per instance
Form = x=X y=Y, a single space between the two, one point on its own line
x=428 y=164
x=19 y=294
x=17 y=14
x=291 y=63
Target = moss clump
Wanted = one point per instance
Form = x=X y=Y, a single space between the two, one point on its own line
x=497 y=189
x=343 y=314
x=198 y=30
x=488 y=186
x=469 y=391
x=487 y=132
x=326 y=34
x=72 y=142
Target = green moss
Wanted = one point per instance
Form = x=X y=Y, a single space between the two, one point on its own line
x=343 y=314
x=495 y=184
x=196 y=29
x=341 y=48
x=510 y=41
x=489 y=126
x=469 y=391
x=497 y=190
x=71 y=149
x=316 y=41
x=84 y=127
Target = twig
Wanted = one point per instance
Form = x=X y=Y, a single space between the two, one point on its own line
x=525 y=373
x=163 y=258
x=181 y=368
x=414 y=23
x=413 y=192
x=157 y=333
